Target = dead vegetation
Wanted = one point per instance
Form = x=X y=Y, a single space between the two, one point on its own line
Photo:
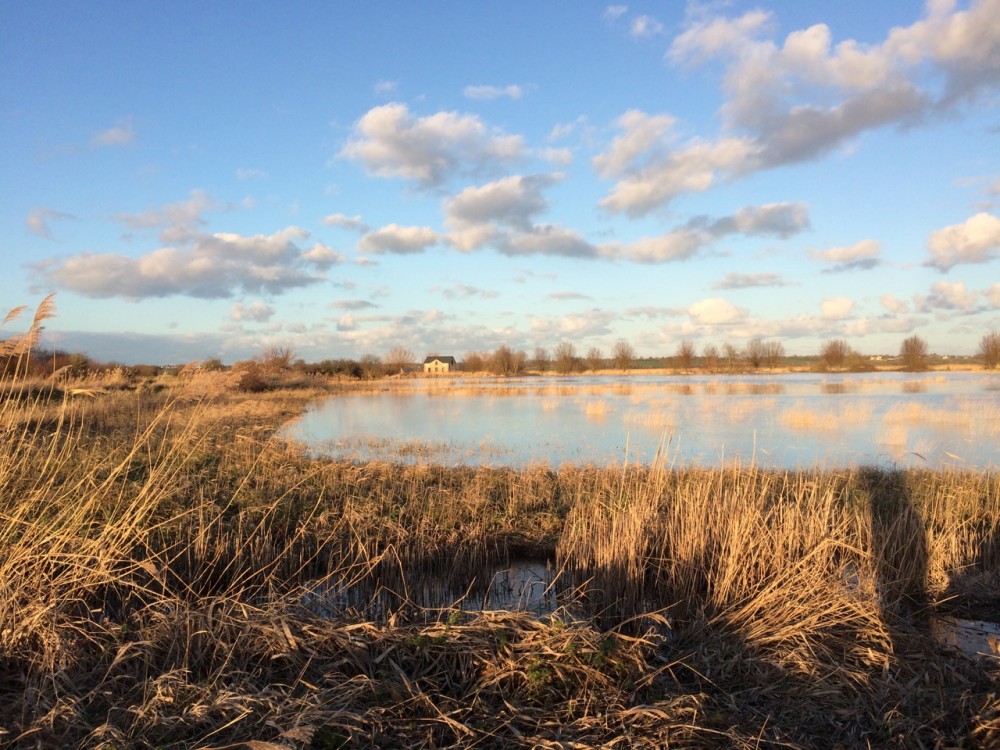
x=161 y=555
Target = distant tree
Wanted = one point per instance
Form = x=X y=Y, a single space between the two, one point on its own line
x=473 y=362
x=595 y=358
x=276 y=358
x=732 y=356
x=989 y=349
x=711 y=356
x=685 y=354
x=566 y=360
x=212 y=364
x=371 y=366
x=505 y=361
x=755 y=352
x=834 y=353
x=542 y=359
x=913 y=352
x=774 y=352
x=398 y=359
x=623 y=354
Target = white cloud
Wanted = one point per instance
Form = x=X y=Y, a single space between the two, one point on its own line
x=800 y=99
x=558 y=156
x=322 y=256
x=487 y=93
x=751 y=280
x=216 y=266
x=351 y=223
x=400 y=240
x=390 y=142
x=716 y=311
x=948 y=296
x=121 y=134
x=976 y=240
x=38 y=220
x=179 y=222
x=893 y=304
x=385 y=88
x=644 y=26
x=836 y=308
x=258 y=312
x=848 y=253
x=993 y=295
x=613 y=12
x=245 y=173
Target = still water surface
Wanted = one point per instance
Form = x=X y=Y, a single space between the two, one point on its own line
x=933 y=420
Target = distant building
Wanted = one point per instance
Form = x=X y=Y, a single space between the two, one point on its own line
x=435 y=364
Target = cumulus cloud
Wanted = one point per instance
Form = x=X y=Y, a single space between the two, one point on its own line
x=976 y=240
x=861 y=256
x=781 y=220
x=178 y=222
x=351 y=223
x=574 y=327
x=353 y=304
x=643 y=26
x=800 y=98
x=120 y=134
x=391 y=142
x=38 y=220
x=750 y=280
x=894 y=304
x=486 y=93
x=322 y=256
x=716 y=311
x=836 y=308
x=993 y=295
x=257 y=312
x=948 y=296
x=399 y=240
x=215 y=266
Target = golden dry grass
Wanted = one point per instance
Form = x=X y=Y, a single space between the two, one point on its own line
x=159 y=551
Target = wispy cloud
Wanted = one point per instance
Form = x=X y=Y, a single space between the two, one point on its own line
x=487 y=93
x=751 y=280
x=121 y=133
x=38 y=220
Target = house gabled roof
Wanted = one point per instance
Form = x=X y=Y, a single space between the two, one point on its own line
x=435 y=357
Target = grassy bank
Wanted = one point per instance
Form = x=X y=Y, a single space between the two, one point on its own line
x=157 y=544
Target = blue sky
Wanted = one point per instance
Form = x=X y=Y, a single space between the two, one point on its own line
x=210 y=179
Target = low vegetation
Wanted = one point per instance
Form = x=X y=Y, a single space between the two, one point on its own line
x=173 y=575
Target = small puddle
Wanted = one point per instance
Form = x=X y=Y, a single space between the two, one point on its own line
x=974 y=638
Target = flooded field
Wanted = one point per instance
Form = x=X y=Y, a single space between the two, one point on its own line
x=930 y=420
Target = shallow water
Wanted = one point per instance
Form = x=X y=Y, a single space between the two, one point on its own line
x=932 y=420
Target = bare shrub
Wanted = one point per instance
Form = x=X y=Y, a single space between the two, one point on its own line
x=685 y=354
x=834 y=353
x=623 y=354
x=506 y=362
x=398 y=359
x=989 y=349
x=473 y=362
x=913 y=352
x=774 y=352
x=595 y=358
x=711 y=356
x=542 y=359
x=566 y=359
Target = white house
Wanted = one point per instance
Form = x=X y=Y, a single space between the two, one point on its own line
x=435 y=364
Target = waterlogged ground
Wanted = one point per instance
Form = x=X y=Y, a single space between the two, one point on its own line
x=931 y=420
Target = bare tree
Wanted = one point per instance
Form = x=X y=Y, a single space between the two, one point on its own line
x=685 y=354
x=595 y=358
x=398 y=359
x=834 y=353
x=371 y=366
x=276 y=358
x=623 y=354
x=989 y=349
x=566 y=359
x=711 y=356
x=473 y=362
x=542 y=359
x=732 y=356
x=913 y=352
x=505 y=361
x=755 y=352
x=774 y=352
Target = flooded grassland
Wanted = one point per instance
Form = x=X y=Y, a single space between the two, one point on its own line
x=175 y=572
